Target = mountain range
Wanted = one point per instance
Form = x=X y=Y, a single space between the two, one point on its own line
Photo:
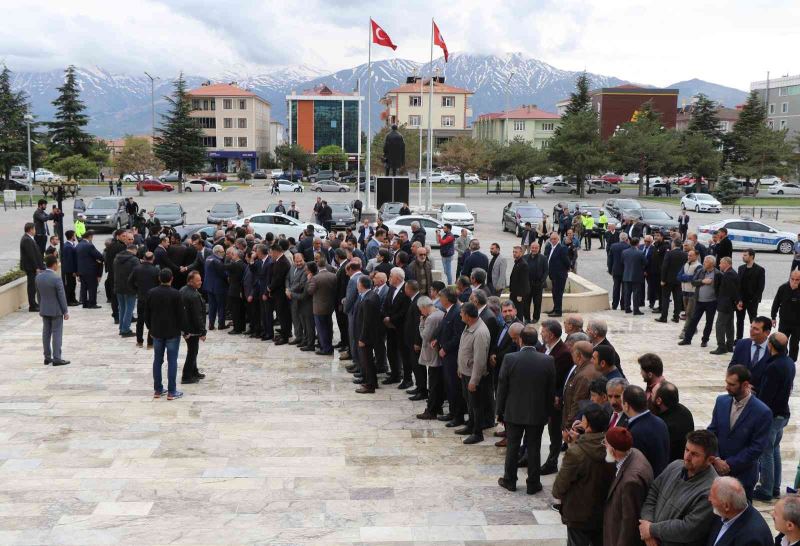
x=120 y=104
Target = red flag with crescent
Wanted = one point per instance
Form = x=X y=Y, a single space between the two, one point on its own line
x=439 y=41
x=380 y=37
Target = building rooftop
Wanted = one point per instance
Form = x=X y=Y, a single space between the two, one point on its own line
x=324 y=91
x=437 y=88
x=523 y=112
x=221 y=90
x=634 y=90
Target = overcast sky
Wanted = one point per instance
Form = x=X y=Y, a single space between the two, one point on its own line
x=731 y=42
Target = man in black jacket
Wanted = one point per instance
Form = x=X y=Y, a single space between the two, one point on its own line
x=164 y=319
x=616 y=267
x=396 y=306
x=724 y=247
x=412 y=343
x=40 y=219
x=655 y=259
x=124 y=264
x=369 y=335
x=142 y=279
x=675 y=415
x=519 y=285
x=752 y=279
x=787 y=304
x=235 y=267
x=31 y=262
x=727 y=288
x=277 y=293
x=119 y=243
x=672 y=264
x=537 y=276
x=194 y=329
x=447 y=342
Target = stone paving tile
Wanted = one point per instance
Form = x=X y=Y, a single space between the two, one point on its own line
x=274 y=447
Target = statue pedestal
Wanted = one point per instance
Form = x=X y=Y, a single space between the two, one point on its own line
x=370 y=214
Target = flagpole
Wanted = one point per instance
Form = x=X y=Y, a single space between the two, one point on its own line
x=358 y=158
x=430 y=127
x=419 y=170
x=369 y=117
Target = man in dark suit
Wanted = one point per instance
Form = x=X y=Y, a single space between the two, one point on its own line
x=369 y=335
x=524 y=404
x=90 y=269
x=396 y=306
x=142 y=279
x=672 y=265
x=475 y=259
x=557 y=270
x=610 y=237
x=277 y=293
x=552 y=345
x=235 y=268
x=53 y=310
x=40 y=219
x=787 y=521
x=615 y=388
x=752 y=278
x=683 y=224
x=650 y=434
x=726 y=285
x=738 y=524
x=447 y=344
x=655 y=261
x=412 y=344
x=634 y=264
x=741 y=423
x=537 y=278
x=753 y=351
x=724 y=247
x=616 y=268
x=519 y=284
x=31 y=262
x=69 y=267
x=675 y=415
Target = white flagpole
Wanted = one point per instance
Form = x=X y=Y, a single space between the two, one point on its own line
x=358 y=159
x=419 y=170
x=369 y=118
x=430 y=126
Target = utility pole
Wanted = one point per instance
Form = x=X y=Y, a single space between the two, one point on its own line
x=140 y=183
x=31 y=174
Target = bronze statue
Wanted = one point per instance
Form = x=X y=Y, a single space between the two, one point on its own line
x=394 y=151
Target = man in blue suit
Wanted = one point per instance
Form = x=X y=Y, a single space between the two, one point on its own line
x=447 y=342
x=558 y=271
x=634 y=263
x=650 y=433
x=475 y=259
x=216 y=287
x=90 y=269
x=69 y=266
x=616 y=268
x=738 y=524
x=753 y=351
x=741 y=423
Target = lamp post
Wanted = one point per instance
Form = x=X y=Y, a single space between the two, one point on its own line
x=508 y=86
x=31 y=175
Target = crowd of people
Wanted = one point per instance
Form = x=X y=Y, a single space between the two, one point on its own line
x=629 y=465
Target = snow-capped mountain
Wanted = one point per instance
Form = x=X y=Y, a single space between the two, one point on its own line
x=119 y=104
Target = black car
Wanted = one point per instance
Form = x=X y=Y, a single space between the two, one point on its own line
x=654 y=219
x=516 y=213
x=342 y=216
x=222 y=212
x=14 y=184
x=260 y=174
x=660 y=188
x=187 y=230
x=619 y=207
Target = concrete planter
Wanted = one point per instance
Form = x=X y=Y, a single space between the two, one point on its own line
x=13 y=296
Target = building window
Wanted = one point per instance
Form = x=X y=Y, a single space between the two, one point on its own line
x=415 y=100
x=242 y=104
x=783 y=124
x=771 y=124
x=206 y=123
x=771 y=108
x=242 y=142
x=783 y=91
x=547 y=126
x=448 y=121
x=227 y=123
x=242 y=123
x=209 y=141
x=723 y=126
x=448 y=101
x=784 y=107
x=519 y=125
x=227 y=104
x=413 y=121
x=228 y=142
x=195 y=104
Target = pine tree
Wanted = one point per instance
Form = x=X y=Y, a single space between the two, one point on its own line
x=579 y=101
x=705 y=120
x=726 y=189
x=67 y=135
x=178 y=144
x=13 y=132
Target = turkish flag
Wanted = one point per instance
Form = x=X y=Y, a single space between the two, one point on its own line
x=439 y=41
x=380 y=37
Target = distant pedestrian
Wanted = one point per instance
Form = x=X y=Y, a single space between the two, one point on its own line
x=119 y=187
x=53 y=310
x=111 y=185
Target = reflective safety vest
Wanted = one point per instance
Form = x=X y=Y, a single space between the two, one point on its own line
x=603 y=220
x=588 y=222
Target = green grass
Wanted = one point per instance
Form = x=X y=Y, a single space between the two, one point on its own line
x=22 y=198
x=769 y=201
x=673 y=200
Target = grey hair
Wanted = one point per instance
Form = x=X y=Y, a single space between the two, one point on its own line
x=791 y=509
x=574 y=320
x=415 y=224
x=597 y=326
x=617 y=382
x=552 y=326
x=218 y=250
x=398 y=272
x=424 y=302
x=730 y=490
x=623 y=237
x=474 y=244
x=575 y=337
x=480 y=296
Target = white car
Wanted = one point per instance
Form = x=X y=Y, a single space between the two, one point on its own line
x=785 y=188
x=442 y=178
x=700 y=202
x=469 y=178
x=136 y=177
x=458 y=215
x=279 y=224
x=769 y=180
x=275 y=173
x=430 y=225
x=43 y=175
x=288 y=185
x=745 y=233
x=198 y=184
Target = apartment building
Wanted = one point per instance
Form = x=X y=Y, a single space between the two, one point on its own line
x=781 y=97
x=526 y=122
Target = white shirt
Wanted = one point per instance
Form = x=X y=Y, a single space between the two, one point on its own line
x=761 y=351
x=397 y=291
x=727 y=525
x=622 y=461
x=635 y=417
x=552 y=249
x=549 y=347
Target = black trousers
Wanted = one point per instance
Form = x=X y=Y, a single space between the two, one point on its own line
x=254 y=314
x=41 y=241
x=236 y=308
x=523 y=307
x=267 y=327
x=533 y=435
x=381 y=364
x=393 y=344
x=793 y=333
x=673 y=290
x=367 y=361
x=283 y=315
x=307 y=318
x=536 y=302
x=410 y=360
x=653 y=289
x=31 y=286
x=452 y=385
x=141 y=312
x=190 y=364
x=341 y=322
x=558 y=292
x=617 y=292
x=88 y=290
x=111 y=296
x=70 y=284
x=633 y=295
x=751 y=308
x=420 y=373
x=435 y=390
x=474 y=403
x=707 y=308
x=554 y=431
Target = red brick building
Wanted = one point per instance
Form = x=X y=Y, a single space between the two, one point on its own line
x=617 y=105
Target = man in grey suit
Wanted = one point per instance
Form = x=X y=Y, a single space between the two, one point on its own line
x=525 y=395
x=53 y=310
x=497 y=271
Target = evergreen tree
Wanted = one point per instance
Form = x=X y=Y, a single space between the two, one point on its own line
x=523 y=160
x=13 y=131
x=67 y=135
x=579 y=100
x=178 y=144
x=642 y=145
x=292 y=156
x=726 y=189
x=705 y=120
x=465 y=154
x=700 y=156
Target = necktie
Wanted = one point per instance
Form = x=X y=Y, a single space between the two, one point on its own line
x=614 y=419
x=757 y=354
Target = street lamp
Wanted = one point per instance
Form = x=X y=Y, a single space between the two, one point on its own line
x=152 y=101
x=32 y=175
x=508 y=86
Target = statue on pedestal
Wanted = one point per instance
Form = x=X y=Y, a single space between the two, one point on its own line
x=394 y=151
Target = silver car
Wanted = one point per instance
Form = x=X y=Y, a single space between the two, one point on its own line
x=329 y=185
x=106 y=213
x=559 y=187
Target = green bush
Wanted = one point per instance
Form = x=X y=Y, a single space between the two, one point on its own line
x=11 y=276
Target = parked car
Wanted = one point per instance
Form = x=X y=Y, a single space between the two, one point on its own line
x=170 y=214
x=362 y=186
x=443 y=177
x=469 y=178
x=323 y=175
x=136 y=177
x=350 y=178
x=770 y=180
x=660 y=188
x=222 y=212
x=215 y=177
x=279 y=224
x=516 y=213
x=19 y=171
x=617 y=207
x=700 y=202
x=276 y=173
x=598 y=185
x=612 y=178
x=785 y=188
x=106 y=213
x=187 y=230
x=430 y=225
x=260 y=174
x=43 y=175
x=329 y=185
x=153 y=185
x=288 y=185
x=559 y=187
x=15 y=184
x=389 y=211
x=201 y=185
x=747 y=233
x=167 y=176
x=342 y=216
x=688 y=180
x=654 y=219
x=295 y=176
x=458 y=215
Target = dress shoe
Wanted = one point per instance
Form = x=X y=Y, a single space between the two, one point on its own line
x=464 y=431
x=390 y=380
x=719 y=351
x=365 y=390
x=133 y=319
x=446 y=417
x=418 y=397
x=281 y=341
x=294 y=341
x=200 y=375
x=661 y=319
x=501 y=443
x=352 y=368
x=553 y=315
x=405 y=384
x=345 y=356
x=210 y=328
x=305 y=349
x=499 y=434
x=248 y=332
x=761 y=496
x=116 y=321
x=358 y=381
x=140 y=343
x=523 y=461
x=638 y=313
x=47 y=361
x=511 y=486
x=73 y=304
x=189 y=380
x=473 y=439
x=533 y=489
x=59 y=362
x=454 y=423
x=548 y=468
x=89 y=307
x=324 y=353
x=413 y=391
x=628 y=311
x=675 y=319
x=684 y=342
x=150 y=346
x=128 y=334
x=235 y=333
x=426 y=415
x=267 y=338
x=704 y=343
x=224 y=327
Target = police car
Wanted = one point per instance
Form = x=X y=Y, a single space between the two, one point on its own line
x=747 y=233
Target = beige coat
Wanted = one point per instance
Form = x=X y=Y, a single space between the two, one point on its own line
x=428 y=327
